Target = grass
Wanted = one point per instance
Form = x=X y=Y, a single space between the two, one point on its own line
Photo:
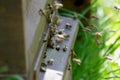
x=93 y=50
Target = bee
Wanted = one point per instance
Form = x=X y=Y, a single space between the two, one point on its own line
x=50 y=62
x=44 y=56
x=97 y=41
x=60 y=31
x=57 y=5
x=49 y=18
x=66 y=36
x=75 y=16
x=78 y=61
x=65 y=48
x=56 y=20
x=72 y=52
x=57 y=47
x=42 y=69
x=108 y=57
x=49 y=6
x=53 y=30
x=44 y=40
x=93 y=26
x=68 y=26
x=98 y=34
x=43 y=64
x=69 y=67
x=42 y=12
x=51 y=43
x=87 y=29
x=60 y=38
x=94 y=17
x=117 y=7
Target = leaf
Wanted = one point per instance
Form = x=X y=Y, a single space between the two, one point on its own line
x=4 y=69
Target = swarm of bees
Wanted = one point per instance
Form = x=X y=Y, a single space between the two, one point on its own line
x=57 y=37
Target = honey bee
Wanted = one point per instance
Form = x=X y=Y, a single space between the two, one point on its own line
x=49 y=6
x=43 y=64
x=65 y=48
x=76 y=60
x=93 y=26
x=51 y=43
x=94 y=17
x=56 y=20
x=42 y=69
x=68 y=26
x=60 y=31
x=98 y=34
x=53 y=30
x=44 y=56
x=72 y=52
x=50 y=62
x=42 y=12
x=97 y=41
x=57 y=5
x=75 y=16
x=60 y=38
x=57 y=47
x=66 y=36
x=44 y=40
x=69 y=67
x=49 y=18
x=117 y=7
x=87 y=29
x=108 y=57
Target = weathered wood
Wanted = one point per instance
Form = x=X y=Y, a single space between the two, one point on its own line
x=35 y=26
x=39 y=58
x=21 y=35
x=12 y=47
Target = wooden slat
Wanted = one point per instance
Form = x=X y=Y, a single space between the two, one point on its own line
x=21 y=34
x=60 y=57
x=35 y=26
x=12 y=36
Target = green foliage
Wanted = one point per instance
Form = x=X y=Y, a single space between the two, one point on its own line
x=3 y=69
x=100 y=57
x=14 y=77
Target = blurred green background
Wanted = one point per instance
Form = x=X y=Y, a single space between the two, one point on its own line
x=100 y=56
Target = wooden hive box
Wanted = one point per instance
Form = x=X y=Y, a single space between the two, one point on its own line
x=21 y=34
